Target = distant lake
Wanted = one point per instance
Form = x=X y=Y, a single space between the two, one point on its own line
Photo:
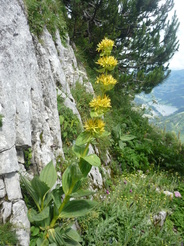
x=164 y=110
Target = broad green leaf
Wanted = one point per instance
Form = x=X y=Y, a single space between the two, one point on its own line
x=34 y=230
x=56 y=196
x=55 y=211
x=49 y=175
x=34 y=216
x=76 y=208
x=77 y=186
x=42 y=242
x=82 y=193
x=121 y=144
x=33 y=242
x=40 y=187
x=83 y=138
x=79 y=150
x=30 y=190
x=72 y=234
x=127 y=138
x=48 y=199
x=70 y=177
x=93 y=160
x=70 y=242
x=85 y=167
x=56 y=235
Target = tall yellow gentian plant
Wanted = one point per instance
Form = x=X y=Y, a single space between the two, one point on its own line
x=47 y=220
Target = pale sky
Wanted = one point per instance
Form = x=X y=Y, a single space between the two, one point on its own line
x=177 y=62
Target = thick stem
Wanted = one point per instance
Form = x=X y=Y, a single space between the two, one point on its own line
x=85 y=150
x=54 y=220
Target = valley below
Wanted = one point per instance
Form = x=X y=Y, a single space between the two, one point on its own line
x=164 y=106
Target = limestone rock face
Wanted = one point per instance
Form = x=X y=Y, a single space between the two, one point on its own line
x=31 y=75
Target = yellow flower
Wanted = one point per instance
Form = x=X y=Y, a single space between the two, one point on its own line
x=94 y=126
x=107 y=62
x=100 y=105
x=105 y=46
x=107 y=81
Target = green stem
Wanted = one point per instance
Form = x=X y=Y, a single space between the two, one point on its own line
x=54 y=220
x=86 y=149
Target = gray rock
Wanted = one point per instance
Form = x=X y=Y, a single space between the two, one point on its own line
x=8 y=161
x=6 y=211
x=2 y=189
x=20 y=156
x=12 y=185
x=160 y=218
x=96 y=177
x=20 y=221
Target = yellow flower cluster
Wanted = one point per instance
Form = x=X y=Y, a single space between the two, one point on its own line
x=107 y=62
x=106 y=80
x=105 y=46
x=100 y=104
x=94 y=126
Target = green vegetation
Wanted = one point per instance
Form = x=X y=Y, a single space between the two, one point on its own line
x=7 y=235
x=69 y=123
x=27 y=157
x=51 y=208
x=127 y=213
x=47 y=14
x=149 y=145
x=82 y=99
x=50 y=214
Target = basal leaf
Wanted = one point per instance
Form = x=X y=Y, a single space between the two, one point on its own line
x=40 y=187
x=34 y=216
x=70 y=177
x=42 y=242
x=56 y=235
x=82 y=193
x=30 y=190
x=72 y=234
x=76 y=208
x=56 y=196
x=49 y=175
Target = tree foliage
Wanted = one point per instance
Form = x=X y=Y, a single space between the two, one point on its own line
x=145 y=38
